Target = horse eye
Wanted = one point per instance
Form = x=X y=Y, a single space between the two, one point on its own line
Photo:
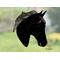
x=39 y=21
x=40 y=17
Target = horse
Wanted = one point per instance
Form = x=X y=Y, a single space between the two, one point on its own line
x=34 y=24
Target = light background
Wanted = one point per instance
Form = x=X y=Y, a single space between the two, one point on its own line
x=29 y=56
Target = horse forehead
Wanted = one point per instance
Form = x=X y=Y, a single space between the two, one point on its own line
x=43 y=20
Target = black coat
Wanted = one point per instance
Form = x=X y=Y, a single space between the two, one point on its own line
x=32 y=25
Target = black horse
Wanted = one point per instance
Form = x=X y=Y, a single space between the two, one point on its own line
x=34 y=25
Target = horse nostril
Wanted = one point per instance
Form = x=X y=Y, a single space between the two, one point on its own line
x=44 y=44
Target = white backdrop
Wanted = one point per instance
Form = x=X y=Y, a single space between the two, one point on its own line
x=29 y=55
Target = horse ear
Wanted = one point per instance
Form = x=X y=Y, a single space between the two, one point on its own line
x=41 y=12
x=44 y=13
